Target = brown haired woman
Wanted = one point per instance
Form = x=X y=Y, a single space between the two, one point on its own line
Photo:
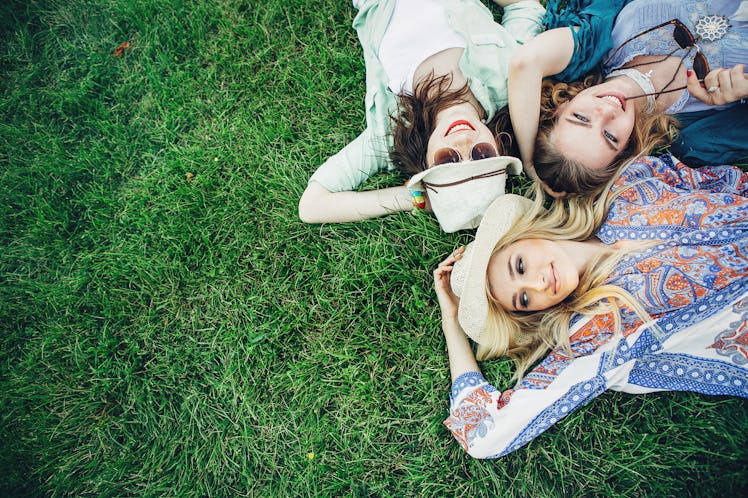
x=668 y=57
x=439 y=68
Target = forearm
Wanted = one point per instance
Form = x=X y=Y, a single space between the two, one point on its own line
x=545 y=55
x=461 y=356
x=318 y=205
x=524 y=85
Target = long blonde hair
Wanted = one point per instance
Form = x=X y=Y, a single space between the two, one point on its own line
x=562 y=174
x=527 y=336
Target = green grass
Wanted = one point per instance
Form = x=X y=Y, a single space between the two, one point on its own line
x=166 y=336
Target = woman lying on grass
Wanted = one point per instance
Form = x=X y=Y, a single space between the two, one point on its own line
x=439 y=68
x=668 y=57
x=656 y=299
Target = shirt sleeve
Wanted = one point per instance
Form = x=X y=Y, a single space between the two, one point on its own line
x=353 y=164
x=523 y=20
x=489 y=423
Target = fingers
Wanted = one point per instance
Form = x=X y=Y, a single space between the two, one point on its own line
x=738 y=82
x=453 y=256
x=446 y=266
x=694 y=86
x=721 y=86
x=724 y=87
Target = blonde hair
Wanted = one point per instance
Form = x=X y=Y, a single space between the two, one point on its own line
x=527 y=336
x=562 y=174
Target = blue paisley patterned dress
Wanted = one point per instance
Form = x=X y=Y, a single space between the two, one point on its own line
x=693 y=281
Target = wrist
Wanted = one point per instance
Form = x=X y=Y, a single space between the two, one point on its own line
x=451 y=325
x=418 y=199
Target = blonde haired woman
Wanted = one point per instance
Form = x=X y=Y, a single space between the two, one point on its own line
x=657 y=299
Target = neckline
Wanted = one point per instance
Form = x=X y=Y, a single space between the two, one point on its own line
x=643 y=81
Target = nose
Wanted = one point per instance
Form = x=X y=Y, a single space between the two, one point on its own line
x=541 y=282
x=464 y=144
x=606 y=111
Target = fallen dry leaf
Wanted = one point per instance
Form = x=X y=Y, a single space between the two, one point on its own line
x=119 y=51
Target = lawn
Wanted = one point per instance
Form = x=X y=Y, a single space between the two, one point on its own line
x=170 y=327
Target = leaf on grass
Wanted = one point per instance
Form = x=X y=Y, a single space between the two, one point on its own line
x=119 y=51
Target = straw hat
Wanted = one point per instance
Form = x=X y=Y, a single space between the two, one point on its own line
x=469 y=273
x=460 y=193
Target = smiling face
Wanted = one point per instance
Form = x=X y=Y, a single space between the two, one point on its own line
x=532 y=275
x=595 y=126
x=457 y=138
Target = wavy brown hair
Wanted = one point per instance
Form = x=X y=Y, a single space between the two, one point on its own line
x=415 y=120
x=562 y=174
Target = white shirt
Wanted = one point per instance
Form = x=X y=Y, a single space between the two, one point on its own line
x=418 y=29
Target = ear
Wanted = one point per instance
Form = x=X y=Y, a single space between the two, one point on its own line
x=552 y=193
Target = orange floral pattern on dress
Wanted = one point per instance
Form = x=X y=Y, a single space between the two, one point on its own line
x=471 y=418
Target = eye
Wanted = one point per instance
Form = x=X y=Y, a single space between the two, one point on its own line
x=520 y=266
x=446 y=155
x=482 y=150
x=581 y=118
x=524 y=301
x=610 y=137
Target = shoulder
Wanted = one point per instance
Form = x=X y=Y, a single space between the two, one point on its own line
x=648 y=169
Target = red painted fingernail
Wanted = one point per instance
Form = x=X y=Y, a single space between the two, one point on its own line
x=689 y=73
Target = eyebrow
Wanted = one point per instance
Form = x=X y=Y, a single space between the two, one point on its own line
x=511 y=275
x=587 y=125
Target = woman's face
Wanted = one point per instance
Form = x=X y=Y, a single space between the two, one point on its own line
x=457 y=139
x=596 y=125
x=531 y=275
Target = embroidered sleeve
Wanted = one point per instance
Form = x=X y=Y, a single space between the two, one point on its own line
x=489 y=423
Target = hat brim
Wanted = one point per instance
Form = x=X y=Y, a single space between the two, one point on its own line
x=470 y=271
x=460 y=193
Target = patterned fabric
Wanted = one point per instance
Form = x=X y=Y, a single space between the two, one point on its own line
x=694 y=284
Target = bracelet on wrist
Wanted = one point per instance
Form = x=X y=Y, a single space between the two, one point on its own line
x=418 y=198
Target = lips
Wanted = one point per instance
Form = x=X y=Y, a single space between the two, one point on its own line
x=615 y=97
x=460 y=125
x=554 y=279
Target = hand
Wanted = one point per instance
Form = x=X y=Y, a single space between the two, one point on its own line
x=721 y=85
x=448 y=301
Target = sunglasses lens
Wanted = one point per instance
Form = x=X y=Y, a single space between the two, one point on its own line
x=482 y=150
x=700 y=66
x=446 y=155
x=683 y=36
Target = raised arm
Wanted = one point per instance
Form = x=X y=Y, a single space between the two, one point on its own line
x=319 y=205
x=545 y=55
x=487 y=422
x=461 y=356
